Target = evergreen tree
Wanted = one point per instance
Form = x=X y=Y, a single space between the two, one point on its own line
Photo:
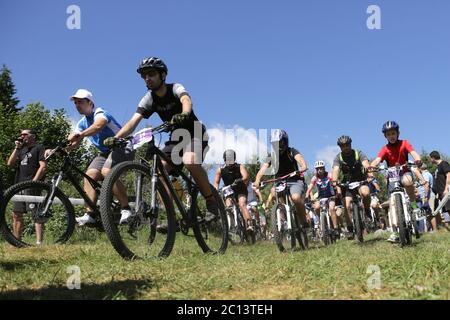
x=8 y=91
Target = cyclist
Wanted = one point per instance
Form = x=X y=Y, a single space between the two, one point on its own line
x=395 y=152
x=353 y=165
x=97 y=124
x=287 y=160
x=323 y=182
x=254 y=199
x=172 y=102
x=235 y=175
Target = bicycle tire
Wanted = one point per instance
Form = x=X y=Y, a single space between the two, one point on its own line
x=110 y=225
x=218 y=227
x=40 y=188
x=403 y=231
x=325 y=230
x=286 y=236
x=357 y=221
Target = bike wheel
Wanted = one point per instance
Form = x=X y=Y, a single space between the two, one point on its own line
x=358 y=223
x=212 y=236
x=324 y=229
x=284 y=237
x=138 y=237
x=28 y=200
x=415 y=226
x=403 y=230
x=233 y=228
x=301 y=233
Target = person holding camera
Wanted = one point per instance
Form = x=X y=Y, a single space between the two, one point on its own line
x=28 y=157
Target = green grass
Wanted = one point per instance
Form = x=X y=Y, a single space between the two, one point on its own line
x=244 y=272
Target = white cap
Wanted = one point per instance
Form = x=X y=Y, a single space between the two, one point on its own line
x=83 y=94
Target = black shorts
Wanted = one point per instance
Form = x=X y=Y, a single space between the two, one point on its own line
x=240 y=190
x=109 y=160
x=175 y=151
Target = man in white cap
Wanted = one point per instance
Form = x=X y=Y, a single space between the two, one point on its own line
x=97 y=125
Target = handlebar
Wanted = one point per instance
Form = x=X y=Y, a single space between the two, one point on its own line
x=398 y=166
x=60 y=148
x=348 y=184
x=123 y=142
x=290 y=175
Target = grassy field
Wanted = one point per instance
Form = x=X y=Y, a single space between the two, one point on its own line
x=340 y=271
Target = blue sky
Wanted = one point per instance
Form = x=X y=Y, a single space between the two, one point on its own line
x=310 y=67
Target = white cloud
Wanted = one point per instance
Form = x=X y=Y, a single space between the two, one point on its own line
x=248 y=143
x=328 y=154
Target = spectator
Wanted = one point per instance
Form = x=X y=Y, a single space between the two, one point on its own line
x=426 y=196
x=28 y=157
x=441 y=183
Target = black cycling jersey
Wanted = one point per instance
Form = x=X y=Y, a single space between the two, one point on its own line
x=168 y=106
x=286 y=163
x=230 y=173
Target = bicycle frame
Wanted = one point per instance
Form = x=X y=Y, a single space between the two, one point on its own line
x=398 y=190
x=288 y=206
x=324 y=209
x=66 y=171
x=158 y=171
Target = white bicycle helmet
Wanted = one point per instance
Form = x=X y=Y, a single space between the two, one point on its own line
x=319 y=164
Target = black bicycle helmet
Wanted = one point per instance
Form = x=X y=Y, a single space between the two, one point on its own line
x=281 y=137
x=152 y=63
x=344 y=140
x=390 y=125
x=229 y=154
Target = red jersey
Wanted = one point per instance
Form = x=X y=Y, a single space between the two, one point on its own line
x=397 y=153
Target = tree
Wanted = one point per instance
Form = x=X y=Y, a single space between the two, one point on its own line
x=8 y=91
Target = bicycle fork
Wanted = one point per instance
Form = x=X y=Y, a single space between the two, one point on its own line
x=50 y=197
x=153 y=205
x=393 y=214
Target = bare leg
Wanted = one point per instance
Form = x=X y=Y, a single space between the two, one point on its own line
x=91 y=193
x=17 y=225
x=118 y=189
x=39 y=227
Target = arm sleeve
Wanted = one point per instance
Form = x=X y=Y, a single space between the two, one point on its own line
x=179 y=90
x=382 y=154
x=101 y=114
x=362 y=156
x=446 y=167
x=408 y=146
x=295 y=152
x=145 y=106
x=336 y=161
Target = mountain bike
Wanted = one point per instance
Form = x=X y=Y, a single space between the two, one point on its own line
x=401 y=215
x=149 y=183
x=358 y=213
x=47 y=204
x=258 y=224
x=235 y=219
x=326 y=226
x=286 y=228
